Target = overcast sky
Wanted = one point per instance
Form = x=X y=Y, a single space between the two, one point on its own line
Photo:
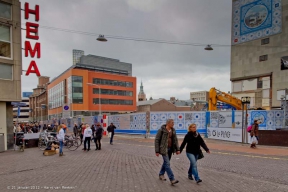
x=166 y=70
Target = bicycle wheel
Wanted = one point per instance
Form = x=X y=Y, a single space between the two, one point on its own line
x=77 y=142
x=72 y=145
x=41 y=144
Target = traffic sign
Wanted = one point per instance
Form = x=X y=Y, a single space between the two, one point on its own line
x=66 y=107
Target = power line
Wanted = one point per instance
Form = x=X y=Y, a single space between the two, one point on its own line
x=126 y=38
x=152 y=40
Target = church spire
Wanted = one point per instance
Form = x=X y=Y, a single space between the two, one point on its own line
x=141 y=95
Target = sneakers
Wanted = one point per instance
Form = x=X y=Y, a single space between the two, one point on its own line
x=199 y=181
x=190 y=177
x=174 y=182
x=161 y=177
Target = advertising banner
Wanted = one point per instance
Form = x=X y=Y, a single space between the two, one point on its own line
x=255 y=19
x=226 y=134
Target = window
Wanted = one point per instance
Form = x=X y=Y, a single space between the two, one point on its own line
x=6 y=71
x=265 y=41
x=112 y=101
x=259 y=83
x=112 y=92
x=112 y=82
x=5 y=41
x=263 y=58
x=77 y=89
x=5 y=10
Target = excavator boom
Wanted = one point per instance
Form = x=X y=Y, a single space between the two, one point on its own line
x=216 y=95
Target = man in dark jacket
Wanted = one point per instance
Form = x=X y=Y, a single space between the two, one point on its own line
x=75 y=129
x=111 y=129
x=166 y=143
x=98 y=136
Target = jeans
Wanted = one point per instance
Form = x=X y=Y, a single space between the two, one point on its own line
x=87 y=140
x=193 y=165
x=166 y=166
x=97 y=141
x=61 y=147
x=111 y=139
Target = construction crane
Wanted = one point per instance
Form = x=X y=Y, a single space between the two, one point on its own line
x=217 y=95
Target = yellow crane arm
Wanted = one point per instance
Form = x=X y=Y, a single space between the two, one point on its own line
x=216 y=95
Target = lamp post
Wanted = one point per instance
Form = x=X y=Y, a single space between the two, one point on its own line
x=99 y=95
x=244 y=100
x=284 y=99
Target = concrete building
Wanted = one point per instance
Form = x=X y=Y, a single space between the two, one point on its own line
x=199 y=96
x=23 y=115
x=259 y=52
x=10 y=65
x=141 y=94
x=38 y=101
x=95 y=85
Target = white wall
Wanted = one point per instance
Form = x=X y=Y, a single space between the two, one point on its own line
x=3 y=125
x=250 y=84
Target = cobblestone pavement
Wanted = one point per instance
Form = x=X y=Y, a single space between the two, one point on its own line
x=131 y=165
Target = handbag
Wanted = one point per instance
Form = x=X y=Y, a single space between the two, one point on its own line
x=200 y=155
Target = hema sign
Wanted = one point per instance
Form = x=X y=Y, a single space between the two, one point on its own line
x=32 y=33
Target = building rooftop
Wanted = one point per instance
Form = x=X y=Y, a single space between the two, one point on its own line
x=149 y=102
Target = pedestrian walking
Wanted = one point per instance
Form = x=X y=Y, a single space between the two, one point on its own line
x=98 y=136
x=93 y=127
x=75 y=130
x=60 y=137
x=254 y=134
x=87 y=137
x=111 y=130
x=83 y=127
x=193 y=140
x=166 y=143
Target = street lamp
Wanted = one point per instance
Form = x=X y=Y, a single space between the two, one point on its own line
x=99 y=96
x=244 y=100
x=208 y=48
x=101 y=38
x=284 y=99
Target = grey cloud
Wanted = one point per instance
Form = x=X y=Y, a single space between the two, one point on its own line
x=199 y=21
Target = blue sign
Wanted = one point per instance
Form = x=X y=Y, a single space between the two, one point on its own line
x=66 y=107
x=255 y=19
x=18 y=111
x=27 y=94
x=16 y=104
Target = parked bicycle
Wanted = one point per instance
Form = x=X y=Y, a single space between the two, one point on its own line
x=47 y=138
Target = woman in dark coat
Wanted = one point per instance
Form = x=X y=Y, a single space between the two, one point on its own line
x=193 y=140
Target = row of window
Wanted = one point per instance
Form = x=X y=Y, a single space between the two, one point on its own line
x=112 y=101
x=112 y=92
x=112 y=82
x=5 y=32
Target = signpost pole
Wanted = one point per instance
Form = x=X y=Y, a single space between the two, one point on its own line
x=242 y=123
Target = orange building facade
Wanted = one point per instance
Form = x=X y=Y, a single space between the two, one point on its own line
x=78 y=88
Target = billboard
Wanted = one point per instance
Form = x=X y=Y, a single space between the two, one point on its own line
x=254 y=19
x=26 y=94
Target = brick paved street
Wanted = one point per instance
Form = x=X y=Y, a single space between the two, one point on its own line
x=131 y=165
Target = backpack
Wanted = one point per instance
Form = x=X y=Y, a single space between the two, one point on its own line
x=249 y=128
